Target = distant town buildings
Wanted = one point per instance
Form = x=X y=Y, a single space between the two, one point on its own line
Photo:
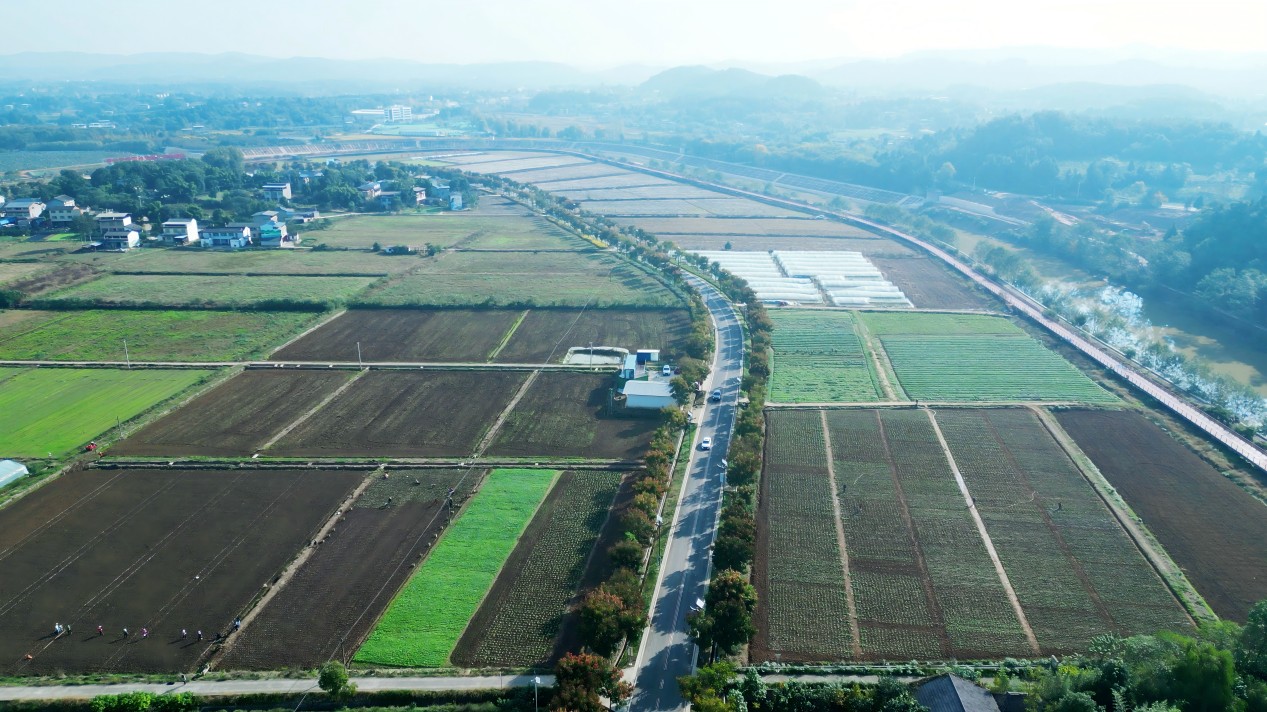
x=395 y=114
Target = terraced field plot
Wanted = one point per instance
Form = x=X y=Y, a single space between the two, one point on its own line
x=423 y=624
x=923 y=583
x=818 y=358
x=565 y=415
x=190 y=335
x=160 y=549
x=209 y=291
x=528 y=618
x=1213 y=529
x=56 y=410
x=968 y=358
x=371 y=553
x=235 y=418
x=546 y=279
x=407 y=413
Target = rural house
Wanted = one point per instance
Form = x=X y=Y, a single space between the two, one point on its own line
x=649 y=394
x=120 y=239
x=23 y=209
x=62 y=210
x=228 y=237
x=106 y=221
x=277 y=191
x=180 y=232
x=951 y=693
x=370 y=190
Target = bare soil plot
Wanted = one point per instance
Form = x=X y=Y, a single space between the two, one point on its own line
x=549 y=333
x=14 y=271
x=513 y=166
x=677 y=207
x=404 y=414
x=930 y=285
x=622 y=179
x=371 y=553
x=1214 y=530
x=529 y=618
x=870 y=247
x=412 y=335
x=235 y=418
x=798 y=226
x=475 y=158
x=565 y=415
x=161 y=550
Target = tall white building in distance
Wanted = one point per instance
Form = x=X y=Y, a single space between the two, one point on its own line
x=398 y=114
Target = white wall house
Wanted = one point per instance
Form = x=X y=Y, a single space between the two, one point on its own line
x=120 y=239
x=277 y=191
x=226 y=238
x=180 y=232
x=23 y=209
x=649 y=394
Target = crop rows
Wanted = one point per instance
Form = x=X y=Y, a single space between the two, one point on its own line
x=805 y=609
x=986 y=368
x=526 y=618
x=426 y=619
x=818 y=358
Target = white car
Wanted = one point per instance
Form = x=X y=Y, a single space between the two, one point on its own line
x=706 y=444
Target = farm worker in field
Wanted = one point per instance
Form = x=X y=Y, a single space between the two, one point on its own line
x=125 y=632
x=57 y=629
x=237 y=622
x=101 y=630
x=145 y=633
x=199 y=636
x=184 y=634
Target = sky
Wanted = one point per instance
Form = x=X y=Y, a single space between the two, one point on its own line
x=596 y=34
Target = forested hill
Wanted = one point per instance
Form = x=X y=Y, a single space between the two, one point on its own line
x=1222 y=257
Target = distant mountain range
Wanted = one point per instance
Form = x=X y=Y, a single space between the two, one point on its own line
x=1005 y=70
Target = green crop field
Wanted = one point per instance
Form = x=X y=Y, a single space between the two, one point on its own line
x=99 y=335
x=158 y=291
x=571 y=279
x=55 y=410
x=424 y=622
x=259 y=262
x=927 y=323
x=520 y=621
x=987 y=367
x=818 y=358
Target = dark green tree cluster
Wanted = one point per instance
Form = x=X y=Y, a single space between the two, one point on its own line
x=719 y=688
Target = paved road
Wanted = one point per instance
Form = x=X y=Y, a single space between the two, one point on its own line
x=240 y=687
x=432 y=365
x=667 y=651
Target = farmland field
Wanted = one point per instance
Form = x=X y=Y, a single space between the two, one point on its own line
x=525 y=619
x=466 y=335
x=614 y=180
x=407 y=413
x=512 y=165
x=818 y=358
x=158 y=291
x=440 y=229
x=548 y=333
x=870 y=247
x=252 y=262
x=968 y=358
x=580 y=170
x=1075 y=570
x=670 y=207
x=236 y=417
x=546 y=279
x=99 y=335
x=162 y=550
x=424 y=622
x=678 y=191
x=13 y=271
x=371 y=553
x=923 y=582
x=802 y=226
x=57 y=409
x=1215 y=531
x=563 y=415
x=930 y=285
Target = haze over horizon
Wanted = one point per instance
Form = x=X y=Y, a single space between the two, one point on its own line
x=598 y=35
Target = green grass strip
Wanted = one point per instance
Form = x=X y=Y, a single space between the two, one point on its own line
x=423 y=624
x=509 y=333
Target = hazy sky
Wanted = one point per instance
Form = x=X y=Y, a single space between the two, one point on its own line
x=602 y=33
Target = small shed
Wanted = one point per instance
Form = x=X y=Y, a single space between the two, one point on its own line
x=951 y=693
x=630 y=369
x=11 y=470
x=645 y=355
x=649 y=394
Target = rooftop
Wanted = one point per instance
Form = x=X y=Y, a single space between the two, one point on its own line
x=648 y=388
x=951 y=693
